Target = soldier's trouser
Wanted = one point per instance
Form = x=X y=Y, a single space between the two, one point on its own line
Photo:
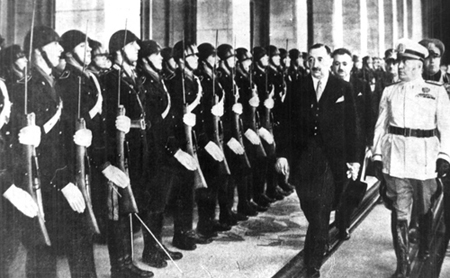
x=69 y=235
x=402 y=192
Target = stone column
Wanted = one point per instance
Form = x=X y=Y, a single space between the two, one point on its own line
x=337 y=24
x=381 y=29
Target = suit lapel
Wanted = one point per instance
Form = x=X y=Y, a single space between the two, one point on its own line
x=330 y=91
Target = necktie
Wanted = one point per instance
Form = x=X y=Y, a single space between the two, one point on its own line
x=319 y=90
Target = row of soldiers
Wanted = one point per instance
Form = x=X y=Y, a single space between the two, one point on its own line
x=122 y=140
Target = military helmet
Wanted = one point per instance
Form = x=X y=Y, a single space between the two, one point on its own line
x=258 y=53
x=190 y=49
x=121 y=38
x=72 y=38
x=294 y=54
x=225 y=51
x=205 y=50
x=42 y=35
x=148 y=48
x=243 y=54
x=272 y=50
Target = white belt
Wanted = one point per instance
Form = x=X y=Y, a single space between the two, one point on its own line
x=98 y=105
x=166 y=111
x=52 y=122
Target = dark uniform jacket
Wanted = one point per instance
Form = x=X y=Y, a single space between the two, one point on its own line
x=232 y=122
x=276 y=80
x=332 y=122
x=46 y=103
x=363 y=97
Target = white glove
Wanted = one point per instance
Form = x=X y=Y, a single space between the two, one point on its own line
x=282 y=166
x=252 y=137
x=117 y=176
x=186 y=160
x=269 y=103
x=235 y=146
x=21 y=200
x=353 y=170
x=265 y=135
x=237 y=108
x=254 y=101
x=83 y=137
x=123 y=123
x=217 y=110
x=5 y=113
x=30 y=135
x=74 y=197
x=189 y=119
x=214 y=151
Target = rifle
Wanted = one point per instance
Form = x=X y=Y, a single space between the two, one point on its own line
x=237 y=121
x=260 y=152
x=31 y=161
x=199 y=178
x=268 y=117
x=82 y=179
x=127 y=201
x=218 y=128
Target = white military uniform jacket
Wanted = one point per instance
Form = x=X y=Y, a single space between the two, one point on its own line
x=416 y=104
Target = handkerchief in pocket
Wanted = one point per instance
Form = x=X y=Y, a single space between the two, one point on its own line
x=341 y=99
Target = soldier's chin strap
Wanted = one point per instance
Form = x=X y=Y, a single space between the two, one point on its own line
x=152 y=66
x=45 y=57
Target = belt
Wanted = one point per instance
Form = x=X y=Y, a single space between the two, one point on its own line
x=139 y=124
x=408 y=132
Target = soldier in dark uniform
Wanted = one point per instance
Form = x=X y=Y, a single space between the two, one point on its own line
x=259 y=75
x=12 y=63
x=100 y=62
x=63 y=202
x=170 y=167
x=18 y=197
x=210 y=136
x=233 y=138
x=186 y=92
x=248 y=96
x=285 y=60
x=169 y=64
x=124 y=48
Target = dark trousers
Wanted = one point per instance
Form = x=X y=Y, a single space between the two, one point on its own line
x=69 y=235
x=315 y=188
x=446 y=189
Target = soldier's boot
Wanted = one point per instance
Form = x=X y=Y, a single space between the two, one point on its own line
x=183 y=237
x=425 y=227
x=119 y=247
x=401 y=241
x=205 y=214
x=244 y=195
x=285 y=185
x=151 y=254
x=226 y=203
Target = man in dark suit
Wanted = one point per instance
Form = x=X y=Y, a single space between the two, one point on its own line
x=325 y=148
x=342 y=66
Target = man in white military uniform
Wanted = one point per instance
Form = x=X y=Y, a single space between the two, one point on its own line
x=411 y=144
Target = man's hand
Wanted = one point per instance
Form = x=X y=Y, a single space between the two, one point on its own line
x=237 y=108
x=252 y=137
x=353 y=170
x=117 y=176
x=74 y=197
x=189 y=119
x=378 y=169
x=186 y=160
x=21 y=200
x=214 y=151
x=442 y=167
x=282 y=166
x=266 y=135
x=123 y=123
x=83 y=137
x=235 y=146
x=30 y=135
x=217 y=110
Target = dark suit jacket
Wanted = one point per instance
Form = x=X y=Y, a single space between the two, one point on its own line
x=332 y=122
x=363 y=97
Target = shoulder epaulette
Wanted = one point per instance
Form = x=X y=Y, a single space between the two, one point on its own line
x=65 y=74
x=433 y=82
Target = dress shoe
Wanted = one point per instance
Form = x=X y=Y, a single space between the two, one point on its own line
x=183 y=241
x=228 y=220
x=154 y=259
x=262 y=201
x=287 y=187
x=277 y=196
x=206 y=231
x=173 y=254
x=267 y=198
x=130 y=271
x=258 y=207
x=247 y=210
x=220 y=227
x=197 y=238
x=239 y=216
x=344 y=234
